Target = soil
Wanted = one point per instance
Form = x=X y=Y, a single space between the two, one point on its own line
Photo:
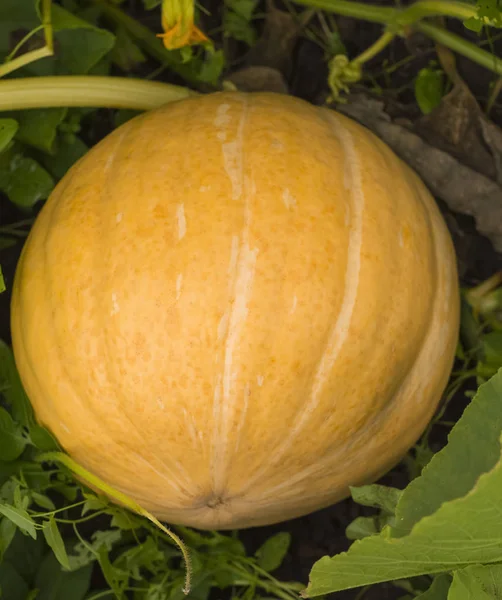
x=322 y=533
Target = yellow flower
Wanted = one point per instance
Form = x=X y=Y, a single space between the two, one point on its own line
x=178 y=25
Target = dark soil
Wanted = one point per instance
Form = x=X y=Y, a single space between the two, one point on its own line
x=322 y=533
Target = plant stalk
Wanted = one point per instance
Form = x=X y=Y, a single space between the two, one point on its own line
x=387 y=15
x=84 y=90
x=463 y=47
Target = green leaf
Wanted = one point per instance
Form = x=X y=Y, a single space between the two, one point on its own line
x=25 y=554
x=42 y=500
x=237 y=20
x=20 y=517
x=55 y=541
x=211 y=67
x=271 y=554
x=377 y=496
x=142 y=556
x=491 y=348
x=15 y=15
x=8 y=129
x=473 y=448
x=38 y=127
x=12 y=585
x=82 y=555
x=7 y=533
x=463 y=531
x=12 y=442
x=477 y=583
x=23 y=180
x=42 y=438
x=429 y=89
x=126 y=54
x=12 y=388
x=362 y=527
x=115 y=577
x=438 y=590
x=56 y=584
x=66 y=153
x=2 y=281
x=81 y=44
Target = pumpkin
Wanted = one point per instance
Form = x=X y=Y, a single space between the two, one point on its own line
x=236 y=306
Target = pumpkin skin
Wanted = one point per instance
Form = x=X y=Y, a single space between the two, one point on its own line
x=236 y=306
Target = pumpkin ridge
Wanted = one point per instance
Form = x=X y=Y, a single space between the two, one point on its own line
x=181 y=482
x=224 y=406
x=339 y=331
x=438 y=237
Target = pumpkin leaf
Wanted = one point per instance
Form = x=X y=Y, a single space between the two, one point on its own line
x=12 y=441
x=473 y=449
x=8 y=129
x=56 y=584
x=237 y=20
x=25 y=554
x=42 y=500
x=429 y=89
x=20 y=517
x=377 y=496
x=85 y=554
x=464 y=529
x=23 y=179
x=126 y=54
x=271 y=554
x=66 y=151
x=12 y=389
x=38 y=128
x=362 y=527
x=42 y=438
x=438 y=589
x=7 y=533
x=116 y=578
x=55 y=541
x=12 y=585
x=477 y=583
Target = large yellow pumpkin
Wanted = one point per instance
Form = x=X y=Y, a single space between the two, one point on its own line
x=236 y=306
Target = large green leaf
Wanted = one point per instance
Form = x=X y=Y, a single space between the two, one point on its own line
x=12 y=441
x=20 y=517
x=12 y=389
x=271 y=554
x=477 y=583
x=473 y=448
x=38 y=128
x=25 y=554
x=8 y=129
x=459 y=532
x=56 y=584
x=12 y=585
x=79 y=45
x=23 y=180
x=438 y=590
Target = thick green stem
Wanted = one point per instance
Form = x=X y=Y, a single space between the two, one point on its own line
x=429 y=8
x=386 y=15
x=384 y=40
x=83 y=90
x=358 y=10
x=462 y=46
x=24 y=59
